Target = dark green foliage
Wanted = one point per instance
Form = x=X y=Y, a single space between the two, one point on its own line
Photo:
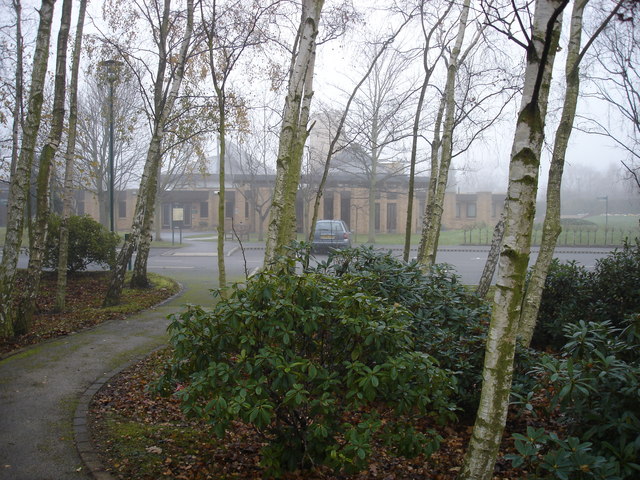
x=566 y=292
x=596 y=385
x=89 y=242
x=310 y=360
x=545 y=455
x=447 y=321
x=571 y=293
x=615 y=289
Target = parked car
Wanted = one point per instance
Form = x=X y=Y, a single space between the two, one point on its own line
x=331 y=234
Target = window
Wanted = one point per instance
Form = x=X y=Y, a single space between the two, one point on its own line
x=471 y=210
x=122 y=209
x=458 y=210
x=377 y=218
x=345 y=207
x=80 y=208
x=328 y=205
x=230 y=204
x=391 y=218
x=204 y=209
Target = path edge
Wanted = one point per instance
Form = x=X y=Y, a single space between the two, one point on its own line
x=82 y=438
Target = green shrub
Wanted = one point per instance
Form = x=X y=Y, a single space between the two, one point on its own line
x=566 y=293
x=89 y=242
x=596 y=385
x=571 y=293
x=310 y=361
x=545 y=455
x=615 y=289
x=447 y=322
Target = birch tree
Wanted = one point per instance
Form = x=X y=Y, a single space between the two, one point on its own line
x=428 y=67
x=541 y=44
x=21 y=176
x=433 y=215
x=28 y=297
x=293 y=133
x=170 y=70
x=18 y=88
x=551 y=227
x=61 y=284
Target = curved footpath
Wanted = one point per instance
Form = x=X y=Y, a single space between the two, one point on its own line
x=41 y=387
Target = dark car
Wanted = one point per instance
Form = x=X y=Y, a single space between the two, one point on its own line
x=331 y=234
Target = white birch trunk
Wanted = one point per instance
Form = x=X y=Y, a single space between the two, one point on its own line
x=551 y=227
x=492 y=258
x=429 y=241
x=433 y=178
x=67 y=193
x=20 y=178
x=514 y=256
x=28 y=296
x=17 y=108
x=293 y=134
x=145 y=205
x=428 y=71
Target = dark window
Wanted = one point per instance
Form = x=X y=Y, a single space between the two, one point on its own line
x=376 y=219
x=246 y=208
x=345 y=207
x=166 y=215
x=471 y=210
x=122 y=208
x=328 y=205
x=80 y=208
x=458 y=210
x=204 y=209
x=230 y=204
x=391 y=218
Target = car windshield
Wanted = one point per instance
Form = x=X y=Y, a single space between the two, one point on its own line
x=331 y=226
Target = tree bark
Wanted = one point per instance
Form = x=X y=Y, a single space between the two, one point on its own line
x=19 y=183
x=433 y=178
x=429 y=240
x=222 y=272
x=293 y=134
x=63 y=254
x=492 y=258
x=428 y=71
x=140 y=235
x=514 y=258
x=17 y=108
x=551 y=227
x=27 y=304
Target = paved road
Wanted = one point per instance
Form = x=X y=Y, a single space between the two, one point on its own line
x=40 y=387
x=467 y=261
